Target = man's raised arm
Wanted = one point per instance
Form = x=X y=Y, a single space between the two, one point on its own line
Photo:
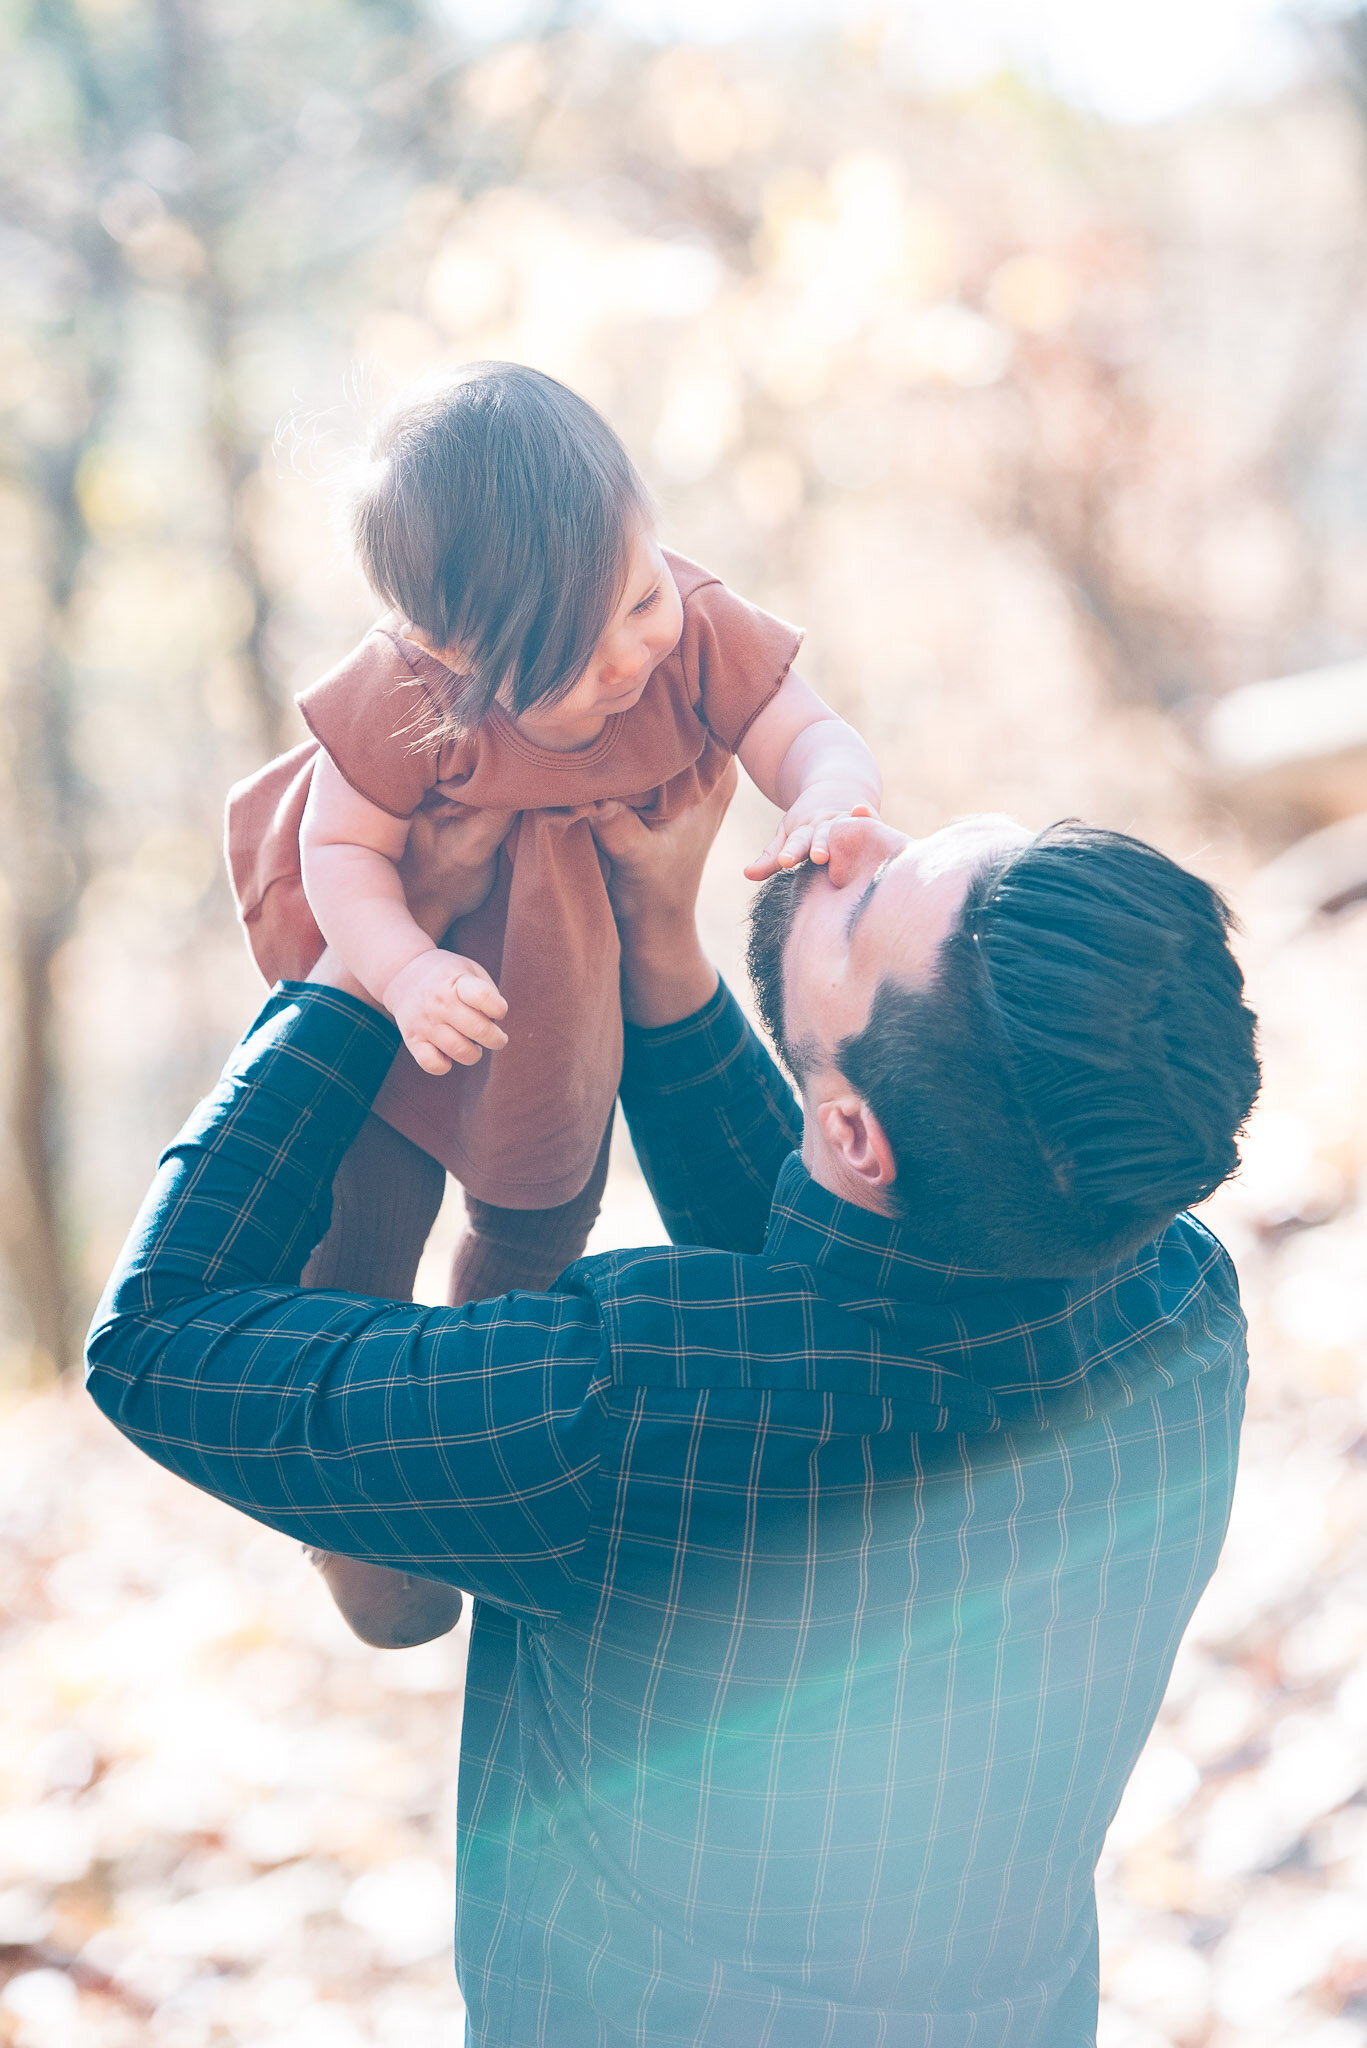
x=711 y=1117
x=457 y=1443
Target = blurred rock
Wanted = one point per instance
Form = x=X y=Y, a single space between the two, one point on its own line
x=1299 y=740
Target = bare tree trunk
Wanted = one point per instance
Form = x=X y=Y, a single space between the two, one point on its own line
x=48 y=870
x=34 y=1247
x=185 y=73
x=47 y=861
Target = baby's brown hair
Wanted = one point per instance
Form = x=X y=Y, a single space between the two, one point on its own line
x=495 y=513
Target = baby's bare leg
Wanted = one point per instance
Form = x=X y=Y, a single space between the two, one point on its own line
x=384 y=1202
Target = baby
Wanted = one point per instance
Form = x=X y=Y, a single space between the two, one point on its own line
x=544 y=655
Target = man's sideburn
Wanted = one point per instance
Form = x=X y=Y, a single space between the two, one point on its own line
x=772 y=911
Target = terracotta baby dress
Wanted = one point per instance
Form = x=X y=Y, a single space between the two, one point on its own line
x=522 y=1128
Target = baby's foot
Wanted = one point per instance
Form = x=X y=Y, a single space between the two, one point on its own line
x=389 y=1610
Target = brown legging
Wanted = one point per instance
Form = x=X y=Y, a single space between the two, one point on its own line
x=385 y=1200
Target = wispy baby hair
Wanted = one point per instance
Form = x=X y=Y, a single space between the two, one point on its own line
x=495 y=513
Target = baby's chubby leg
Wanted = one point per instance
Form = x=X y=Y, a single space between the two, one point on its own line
x=384 y=1202
x=503 y=1249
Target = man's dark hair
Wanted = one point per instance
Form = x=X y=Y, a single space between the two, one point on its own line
x=495 y=514
x=1080 y=1067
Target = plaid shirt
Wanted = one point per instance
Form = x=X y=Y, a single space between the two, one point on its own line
x=824 y=1595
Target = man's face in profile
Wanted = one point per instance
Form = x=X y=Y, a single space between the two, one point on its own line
x=823 y=938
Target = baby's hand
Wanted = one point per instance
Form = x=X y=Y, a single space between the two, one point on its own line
x=805 y=830
x=446 y=1007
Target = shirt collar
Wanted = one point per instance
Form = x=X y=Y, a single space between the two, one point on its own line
x=865 y=1253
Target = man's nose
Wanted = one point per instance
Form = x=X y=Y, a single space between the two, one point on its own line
x=857 y=845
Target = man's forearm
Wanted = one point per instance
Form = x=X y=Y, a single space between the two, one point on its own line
x=194 y=1351
x=666 y=976
x=289 y=1103
x=712 y=1121
x=711 y=1117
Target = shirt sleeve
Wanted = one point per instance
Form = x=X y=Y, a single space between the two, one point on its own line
x=377 y=719
x=735 y=655
x=712 y=1120
x=458 y=1443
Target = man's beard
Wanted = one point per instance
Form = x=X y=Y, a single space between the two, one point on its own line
x=771 y=916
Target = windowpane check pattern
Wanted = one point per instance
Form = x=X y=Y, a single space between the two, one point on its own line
x=824 y=1594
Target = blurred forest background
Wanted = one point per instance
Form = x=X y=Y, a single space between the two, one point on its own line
x=1053 y=432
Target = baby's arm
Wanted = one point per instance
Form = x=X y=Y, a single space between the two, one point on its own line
x=445 y=1005
x=813 y=766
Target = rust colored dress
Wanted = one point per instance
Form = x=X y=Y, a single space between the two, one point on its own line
x=521 y=1129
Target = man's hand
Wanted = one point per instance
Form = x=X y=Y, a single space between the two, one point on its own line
x=653 y=884
x=449 y=863
x=447 y=1009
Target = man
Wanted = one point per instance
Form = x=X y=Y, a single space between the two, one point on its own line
x=827 y=1579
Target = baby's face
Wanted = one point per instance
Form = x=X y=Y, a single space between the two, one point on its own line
x=643 y=629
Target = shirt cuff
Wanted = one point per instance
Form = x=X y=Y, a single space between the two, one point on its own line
x=335 y=1015
x=311 y=1054
x=669 y=1058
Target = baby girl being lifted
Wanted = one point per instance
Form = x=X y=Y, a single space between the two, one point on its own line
x=796 y=750
x=543 y=657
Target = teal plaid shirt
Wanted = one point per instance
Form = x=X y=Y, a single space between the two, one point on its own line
x=824 y=1595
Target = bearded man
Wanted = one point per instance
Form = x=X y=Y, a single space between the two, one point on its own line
x=828 y=1566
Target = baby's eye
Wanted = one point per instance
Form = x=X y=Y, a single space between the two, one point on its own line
x=647 y=603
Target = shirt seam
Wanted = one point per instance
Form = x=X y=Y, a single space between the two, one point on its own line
x=540 y=757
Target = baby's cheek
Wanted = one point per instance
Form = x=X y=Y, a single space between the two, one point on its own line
x=671 y=625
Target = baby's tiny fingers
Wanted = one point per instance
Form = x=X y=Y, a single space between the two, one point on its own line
x=457 y=1045
x=796 y=847
x=473 y=1024
x=428 y=1056
x=480 y=994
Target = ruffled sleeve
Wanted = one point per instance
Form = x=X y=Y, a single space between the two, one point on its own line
x=735 y=655
x=378 y=719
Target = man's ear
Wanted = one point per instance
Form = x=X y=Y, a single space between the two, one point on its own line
x=857 y=1141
